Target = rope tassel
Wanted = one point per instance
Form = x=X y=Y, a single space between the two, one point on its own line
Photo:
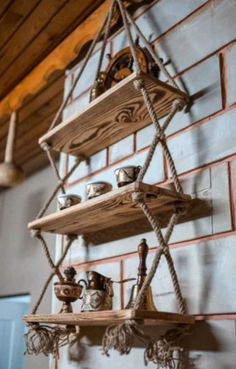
x=166 y=351
x=121 y=337
x=44 y=339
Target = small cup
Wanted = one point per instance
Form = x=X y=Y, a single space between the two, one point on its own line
x=95 y=189
x=67 y=200
x=126 y=175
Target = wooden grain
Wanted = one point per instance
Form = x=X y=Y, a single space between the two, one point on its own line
x=57 y=60
x=196 y=209
x=53 y=20
x=114 y=115
x=110 y=317
x=115 y=208
x=14 y=17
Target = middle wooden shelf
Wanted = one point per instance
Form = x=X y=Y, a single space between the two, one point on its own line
x=114 y=214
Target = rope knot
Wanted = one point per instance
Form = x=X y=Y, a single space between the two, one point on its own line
x=179 y=104
x=34 y=233
x=61 y=182
x=137 y=196
x=138 y=84
x=45 y=146
x=72 y=237
x=162 y=137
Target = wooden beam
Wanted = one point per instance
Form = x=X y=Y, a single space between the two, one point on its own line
x=57 y=60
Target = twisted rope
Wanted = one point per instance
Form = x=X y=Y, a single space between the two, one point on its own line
x=46 y=147
x=139 y=84
x=151 y=51
x=74 y=84
x=55 y=267
x=48 y=256
x=105 y=38
x=129 y=36
x=163 y=242
x=57 y=188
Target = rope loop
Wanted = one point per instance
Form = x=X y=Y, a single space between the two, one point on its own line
x=45 y=146
x=60 y=182
x=139 y=84
x=179 y=103
x=71 y=237
x=34 y=233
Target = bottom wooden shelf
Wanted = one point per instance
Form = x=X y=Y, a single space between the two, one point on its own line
x=101 y=318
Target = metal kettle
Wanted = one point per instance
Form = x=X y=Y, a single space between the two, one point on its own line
x=148 y=303
x=98 y=292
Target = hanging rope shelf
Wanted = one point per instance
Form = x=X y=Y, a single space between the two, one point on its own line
x=133 y=103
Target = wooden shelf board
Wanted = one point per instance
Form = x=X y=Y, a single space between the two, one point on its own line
x=114 y=115
x=103 y=318
x=114 y=209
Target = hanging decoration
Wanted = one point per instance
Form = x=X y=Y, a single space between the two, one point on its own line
x=11 y=174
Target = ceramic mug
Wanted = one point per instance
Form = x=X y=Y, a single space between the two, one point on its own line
x=67 y=200
x=95 y=189
x=126 y=175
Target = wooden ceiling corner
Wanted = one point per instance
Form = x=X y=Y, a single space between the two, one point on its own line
x=38 y=40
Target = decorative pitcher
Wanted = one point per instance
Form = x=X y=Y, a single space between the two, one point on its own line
x=98 y=292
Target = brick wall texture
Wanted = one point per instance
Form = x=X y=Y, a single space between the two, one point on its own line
x=198 y=38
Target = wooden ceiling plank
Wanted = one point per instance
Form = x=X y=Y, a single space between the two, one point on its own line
x=34 y=105
x=58 y=59
x=4 y=5
x=30 y=29
x=45 y=42
x=14 y=17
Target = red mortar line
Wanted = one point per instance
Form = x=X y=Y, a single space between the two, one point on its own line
x=232 y=194
x=216 y=316
x=223 y=79
x=215 y=52
x=176 y=76
x=213 y=164
x=111 y=39
x=154 y=41
x=202 y=121
x=187 y=18
x=101 y=169
x=168 y=180
x=122 y=292
x=152 y=249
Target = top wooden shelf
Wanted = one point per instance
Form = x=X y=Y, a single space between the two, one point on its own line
x=114 y=115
